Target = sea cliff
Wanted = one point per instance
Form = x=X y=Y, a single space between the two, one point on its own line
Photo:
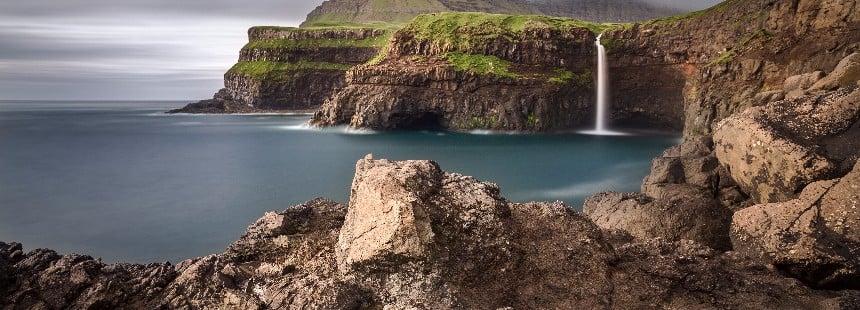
x=291 y=69
x=473 y=71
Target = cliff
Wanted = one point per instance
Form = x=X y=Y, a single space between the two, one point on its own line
x=333 y=12
x=707 y=65
x=471 y=71
x=414 y=236
x=291 y=68
x=680 y=73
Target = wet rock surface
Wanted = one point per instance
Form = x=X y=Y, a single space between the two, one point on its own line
x=415 y=236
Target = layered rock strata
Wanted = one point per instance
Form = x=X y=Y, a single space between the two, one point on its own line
x=708 y=65
x=291 y=69
x=465 y=71
x=415 y=236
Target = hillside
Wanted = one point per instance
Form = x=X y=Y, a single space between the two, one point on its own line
x=402 y=11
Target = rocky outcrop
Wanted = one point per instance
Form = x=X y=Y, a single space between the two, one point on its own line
x=814 y=238
x=291 y=69
x=415 y=236
x=465 y=71
x=775 y=150
x=333 y=12
x=685 y=197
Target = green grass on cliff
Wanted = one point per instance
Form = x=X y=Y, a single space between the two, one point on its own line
x=564 y=76
x=482 y=64
x=260 y=70
x=464 y=28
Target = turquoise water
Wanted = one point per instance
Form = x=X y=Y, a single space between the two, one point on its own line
x=125 y=182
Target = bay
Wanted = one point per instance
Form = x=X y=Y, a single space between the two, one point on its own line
x=126 y=182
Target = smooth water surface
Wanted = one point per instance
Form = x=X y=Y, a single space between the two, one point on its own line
x=125 y=182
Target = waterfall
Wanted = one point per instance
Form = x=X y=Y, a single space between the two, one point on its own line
x=602 y=108
x=602 y=86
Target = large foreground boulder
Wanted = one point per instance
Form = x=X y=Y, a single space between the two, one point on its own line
x=815 y=237
x=416 y=237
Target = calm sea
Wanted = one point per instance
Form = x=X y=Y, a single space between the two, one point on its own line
x=125 y=182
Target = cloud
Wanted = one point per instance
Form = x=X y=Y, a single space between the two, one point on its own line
x=155 y=49
x=98 y=49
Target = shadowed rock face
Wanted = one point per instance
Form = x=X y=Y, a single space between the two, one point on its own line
x=415 y=236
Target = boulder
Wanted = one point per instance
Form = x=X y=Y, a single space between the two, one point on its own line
x=815 y=237
x=387 y=222
x=774 y=151
x=846 y=73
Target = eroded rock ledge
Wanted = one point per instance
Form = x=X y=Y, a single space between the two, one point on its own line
x=414 y=236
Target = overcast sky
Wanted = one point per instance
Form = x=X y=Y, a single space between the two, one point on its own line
x=141 y=50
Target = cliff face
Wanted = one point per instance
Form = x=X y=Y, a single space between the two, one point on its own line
x=365 y=11
x=414 y=236
x=473 y=71
x=705 y=66
x=291 y=68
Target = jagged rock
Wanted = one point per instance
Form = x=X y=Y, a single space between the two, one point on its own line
x=815 y=237
x=775 y=150
x=386 y=223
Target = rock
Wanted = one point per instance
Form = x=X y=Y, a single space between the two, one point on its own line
x=386 y=223
x=846 y=73
x=775 y=150
x=688 y=214
x=815 y=238
x=687 y=275
x=796 y=86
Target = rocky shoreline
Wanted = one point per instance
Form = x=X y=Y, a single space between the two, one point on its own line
x=414 y=236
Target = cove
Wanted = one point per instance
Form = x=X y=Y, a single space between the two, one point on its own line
x=125 y=182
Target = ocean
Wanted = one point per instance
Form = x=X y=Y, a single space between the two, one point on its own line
x=125 y=182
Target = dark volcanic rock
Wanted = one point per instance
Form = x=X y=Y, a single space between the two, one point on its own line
x=417 y=237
